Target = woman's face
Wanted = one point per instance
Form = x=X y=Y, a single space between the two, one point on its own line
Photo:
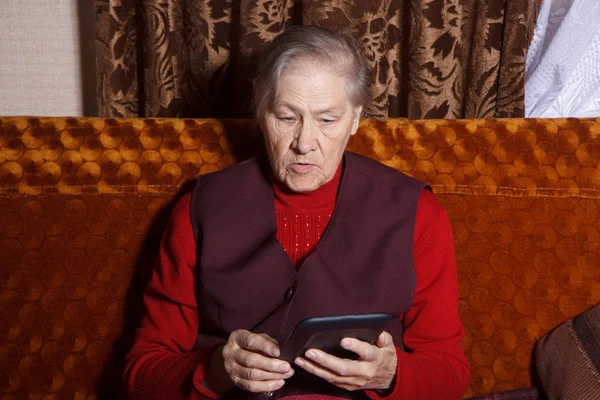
x=308 y=126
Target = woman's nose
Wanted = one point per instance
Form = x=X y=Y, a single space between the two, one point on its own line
x=306 y=140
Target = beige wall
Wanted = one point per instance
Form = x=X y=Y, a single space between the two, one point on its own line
x=46 y=57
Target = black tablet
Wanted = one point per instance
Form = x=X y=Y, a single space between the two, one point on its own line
x=326 y=333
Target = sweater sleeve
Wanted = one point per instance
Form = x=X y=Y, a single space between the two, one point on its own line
x=434 y=365
x=161 y=363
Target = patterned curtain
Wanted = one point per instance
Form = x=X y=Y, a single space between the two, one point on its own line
x=428 y=58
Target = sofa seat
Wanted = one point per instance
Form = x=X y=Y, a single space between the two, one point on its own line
x=83 y=204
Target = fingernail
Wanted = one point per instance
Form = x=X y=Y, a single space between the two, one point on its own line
x=275 y=352
x=284 y=367
x=311 y=354
x=346 y=343
x=300 y=362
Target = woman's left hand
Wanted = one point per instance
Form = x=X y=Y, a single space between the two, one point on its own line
x=375 y=369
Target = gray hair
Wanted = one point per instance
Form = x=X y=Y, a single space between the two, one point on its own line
x=313 y=44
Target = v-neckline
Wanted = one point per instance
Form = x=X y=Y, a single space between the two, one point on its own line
x=338 y=209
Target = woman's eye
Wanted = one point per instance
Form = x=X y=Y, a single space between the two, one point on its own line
x=286 y=119
x=327 y=121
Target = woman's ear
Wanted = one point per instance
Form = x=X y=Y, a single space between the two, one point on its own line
x=357 y=114
x=260 y=120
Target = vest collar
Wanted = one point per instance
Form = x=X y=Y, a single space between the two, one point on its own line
x=323 y=196
x=266 y=204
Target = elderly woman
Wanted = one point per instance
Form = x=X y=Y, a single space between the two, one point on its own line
x=312 y=231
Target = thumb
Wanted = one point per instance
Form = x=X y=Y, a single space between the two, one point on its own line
x=385 y=340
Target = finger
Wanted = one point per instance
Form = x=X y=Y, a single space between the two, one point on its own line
x=365 y=351
x=347 y=382
x=258 y=386
x=255 y=374
x=252 y=341
x=251 y=359
x=385 y=340
x=269 y=338
x=339 y=366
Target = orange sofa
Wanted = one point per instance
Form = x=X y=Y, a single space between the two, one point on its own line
x=83 y=203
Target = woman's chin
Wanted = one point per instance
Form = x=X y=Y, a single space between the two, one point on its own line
x=302 y=184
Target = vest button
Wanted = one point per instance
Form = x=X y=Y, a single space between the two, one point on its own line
x=289 y=293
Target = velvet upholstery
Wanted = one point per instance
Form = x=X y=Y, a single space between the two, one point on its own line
x=517 y=394
x=83 y=203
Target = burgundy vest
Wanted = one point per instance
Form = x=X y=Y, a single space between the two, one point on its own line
x=363 y=262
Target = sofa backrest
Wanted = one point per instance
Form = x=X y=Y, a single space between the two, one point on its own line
x=83 y=203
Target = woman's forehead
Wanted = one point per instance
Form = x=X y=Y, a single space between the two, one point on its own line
x=313 y=108
x=320 y=89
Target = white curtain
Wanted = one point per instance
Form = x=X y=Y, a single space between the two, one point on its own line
x=562 y=75
x=47 y=61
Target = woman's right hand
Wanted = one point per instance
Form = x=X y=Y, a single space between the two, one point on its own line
x=250 y=362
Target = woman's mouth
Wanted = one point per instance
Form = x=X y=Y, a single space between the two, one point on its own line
x=301 y=168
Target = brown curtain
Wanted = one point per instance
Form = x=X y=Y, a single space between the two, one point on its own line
x=428 y=58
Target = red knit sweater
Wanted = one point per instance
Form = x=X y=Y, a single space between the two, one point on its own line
x=302 y=218
x=161 y=365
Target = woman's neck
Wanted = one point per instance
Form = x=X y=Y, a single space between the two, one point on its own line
x=324 y=196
